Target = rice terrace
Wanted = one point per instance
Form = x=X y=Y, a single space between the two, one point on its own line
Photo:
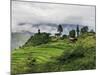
x=49 y=37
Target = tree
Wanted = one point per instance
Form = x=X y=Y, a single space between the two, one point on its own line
x=38 y=31
x=60 y=29
x=64 y=36
x=72 y=33
x=77 y=30
x=92 y=31
x=84 y=29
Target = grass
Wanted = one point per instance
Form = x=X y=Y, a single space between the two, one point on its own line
x=60 y=55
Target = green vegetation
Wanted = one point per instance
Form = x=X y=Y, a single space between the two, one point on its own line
x=44 y=53
x=84 y=29
x=72 y=33
x=64 y=37
x=37 y=39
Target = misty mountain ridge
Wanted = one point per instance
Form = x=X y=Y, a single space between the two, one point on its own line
x=19 y=38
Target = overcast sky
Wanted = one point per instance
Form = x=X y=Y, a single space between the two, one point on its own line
x=27 y=15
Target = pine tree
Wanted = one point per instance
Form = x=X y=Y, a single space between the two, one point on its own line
x=77 y=30
x=60 y=29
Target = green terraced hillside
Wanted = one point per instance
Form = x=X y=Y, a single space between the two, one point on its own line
x=59 y=55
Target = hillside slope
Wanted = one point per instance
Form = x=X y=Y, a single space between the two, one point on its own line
x=61 y=55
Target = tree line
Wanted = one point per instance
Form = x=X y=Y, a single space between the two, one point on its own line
x=43 y=37
x=73 y=33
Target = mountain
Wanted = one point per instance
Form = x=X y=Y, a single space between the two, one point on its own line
x=19 y=38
